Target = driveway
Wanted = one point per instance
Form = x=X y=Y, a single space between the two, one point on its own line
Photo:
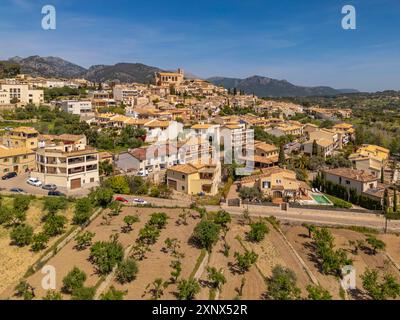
x=20 y=182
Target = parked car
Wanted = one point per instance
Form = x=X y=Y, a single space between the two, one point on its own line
x=50 y=187
x=34 y=182
x=121 y=199
x=142 y=173
x=140 y=201
x=17 y=190
x=9 y=175
x=56 y=194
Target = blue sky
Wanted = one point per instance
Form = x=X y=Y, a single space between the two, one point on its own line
x=300 y=41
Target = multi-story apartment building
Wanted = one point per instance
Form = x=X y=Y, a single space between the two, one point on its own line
x=19 y=137
x=22 y=93
x=68 y=162
x=236 y=140
x=80 y=108
x=127 y=94
x=163 y=155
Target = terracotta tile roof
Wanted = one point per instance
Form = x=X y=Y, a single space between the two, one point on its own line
x=28 y=130
x=265 y=146
x=353 y=174
x=12 y=152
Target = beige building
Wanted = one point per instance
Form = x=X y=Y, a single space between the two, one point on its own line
x=194 y=178
x=327 y=142
x=4 y=97
x=19 y=137
x=277 y=183
x=168 y=79
x=359 y=180
x=19 y=160
x=67 y=162
x=22 y=94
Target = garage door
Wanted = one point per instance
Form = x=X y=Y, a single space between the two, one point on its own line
x=75 y=183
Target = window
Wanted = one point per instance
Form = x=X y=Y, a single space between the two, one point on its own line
x=183 y=188
x=347 y=182
x=183 y=177
x=266 y=185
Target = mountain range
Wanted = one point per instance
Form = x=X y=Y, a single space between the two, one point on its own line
x=141 y=73
x=267 y=87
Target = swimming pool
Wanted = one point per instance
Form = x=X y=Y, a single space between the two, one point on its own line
x=321 y=199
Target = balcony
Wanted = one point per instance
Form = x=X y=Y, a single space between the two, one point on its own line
x=76 y=170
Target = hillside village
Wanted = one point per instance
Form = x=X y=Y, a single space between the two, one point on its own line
x=255 y=132
x=110 y=155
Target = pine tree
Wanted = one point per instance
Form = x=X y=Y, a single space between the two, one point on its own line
x=314 y=148
x=385 y=204
x=282 y=158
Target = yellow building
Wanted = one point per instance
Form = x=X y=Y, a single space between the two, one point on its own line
x=277 y=183
x=195 y=178
x=375 y=151
x=18 y=160
x=19 y=137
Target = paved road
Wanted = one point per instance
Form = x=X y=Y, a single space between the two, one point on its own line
x=158 y=201
x=324 y=217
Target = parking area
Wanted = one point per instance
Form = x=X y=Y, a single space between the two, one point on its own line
x=20 y=182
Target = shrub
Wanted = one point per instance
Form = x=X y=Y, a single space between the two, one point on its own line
x=149 y=234
x=159 y=220
x=258 y=231
x=106 y=255
x=118 y=184
x=222 y=218
x=84 y=240
x=318 y=293
x=21 y=203
x=339 y=203
x=282 y=284
x=84 y=293
x=74 y=280
x=187 y=289
x=22 y=235
x=101 y=196
x=113 y=294
x=39 y=241
x=52 y=295
x=246 y=260
x=206 y=234
x=24 y=290
x=83 y=210
x=54 y=225
x=127 y=271
x=54 y=204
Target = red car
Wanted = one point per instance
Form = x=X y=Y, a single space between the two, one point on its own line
x=121 y=199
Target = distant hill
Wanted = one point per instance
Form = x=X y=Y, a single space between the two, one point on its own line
x=122 y=72
x=48 y=67
x=267 y=87
x=141 y=73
